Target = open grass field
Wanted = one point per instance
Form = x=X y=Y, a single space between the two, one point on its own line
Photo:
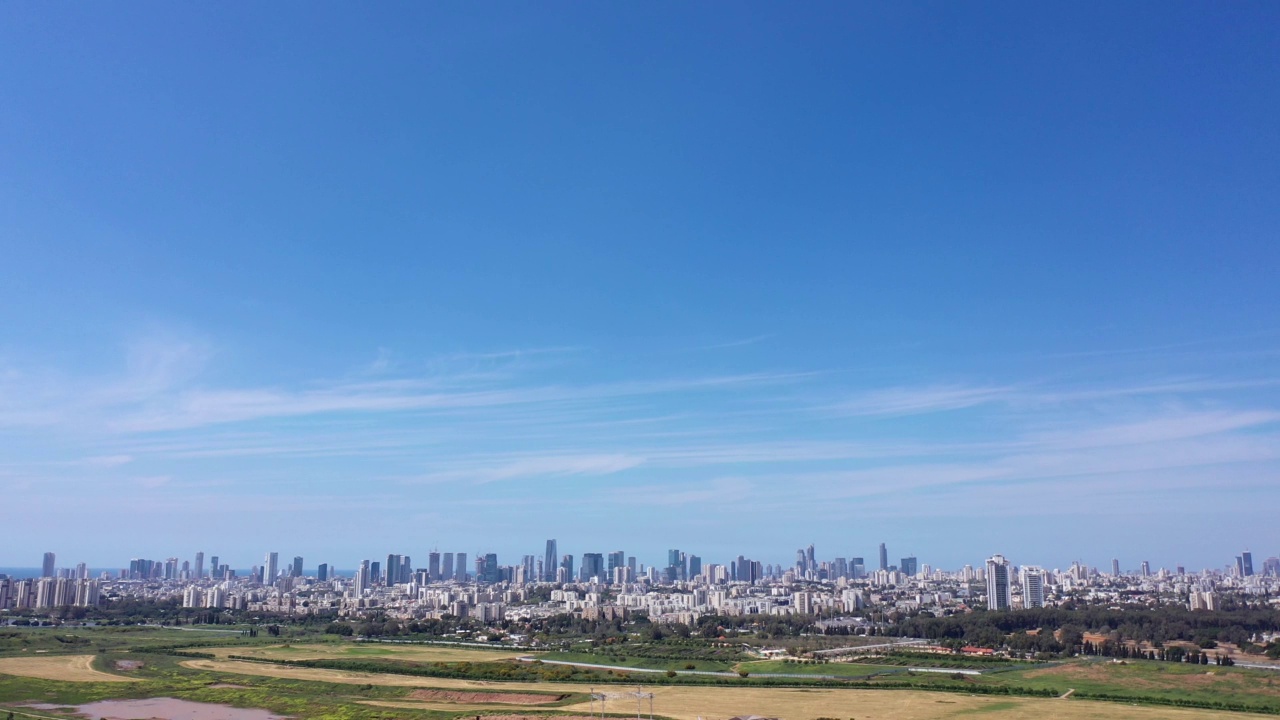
x=621 y=660
x=69 y=668
x=366 y=651
x=1159 y=679
x=715 y=703
x=834 y=669
x=60 y=666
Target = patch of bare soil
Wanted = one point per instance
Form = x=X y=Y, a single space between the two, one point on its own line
x=461 y=696
x=535 y=717
x=128 y=664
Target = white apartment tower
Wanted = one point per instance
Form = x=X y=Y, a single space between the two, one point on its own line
x=999 y=595
x=1032 y=587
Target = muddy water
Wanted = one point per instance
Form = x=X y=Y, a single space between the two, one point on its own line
x=169 y=709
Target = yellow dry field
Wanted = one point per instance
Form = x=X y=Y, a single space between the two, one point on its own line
x=370 y=651
x=443 y=706
x=72 y=668
x=717 y=703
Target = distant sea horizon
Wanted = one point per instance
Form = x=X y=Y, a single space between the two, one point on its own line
x=26 y=573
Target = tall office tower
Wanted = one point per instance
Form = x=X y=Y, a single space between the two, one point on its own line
x=529 y=565
x=695 y=566
x=171 y=569
x=375 y=572
x=433 y=565
x=296 y=570
x=82 y=571
x=592 y=567
x=675 y=562
x=200 y=566
x=999 y=595
x=322 y=572
x=631 y=564
x=406 y=568
x=1247 y=563
x=47 y=570
x=1032 y=587
x=270 y=568
x=810 y=561
x=549 y=561
x=1182 y=570
x=364 y=577
x=1146 y=569
x=460 y=567
x=215 y=570
x=481 y=575
x=802 y=567
x=909 y=566
x=446 y=568
x=393 y=570
x=884 y=557
x=857 y=568
x=617 y=559
x=1115 y=567
x=566 y=564
x=491 y=571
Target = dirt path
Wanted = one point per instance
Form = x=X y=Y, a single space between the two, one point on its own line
x=72 y=668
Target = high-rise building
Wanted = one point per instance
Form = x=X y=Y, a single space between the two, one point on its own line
x=446 y=567
x=676 y=565
x=1246 y=564
x=393 y=570
x=433 y=565
x=617 y=559
x=1032 y=587
x=270 y=568
x=364 y=577
x=47 y=569
x=375 y=572
x=322 y=572
x=460 y=567
x=593 y=567
x=909 y=566
x=214 y=569
x=200 y=566
x=999 y=594
x=1115 y=567
x=1146 y=569
x=884 y=557
x=695 y=566
x=489 y=565
x=549 y=561
x=566 y=564
x=810 y=561
x=296 y=569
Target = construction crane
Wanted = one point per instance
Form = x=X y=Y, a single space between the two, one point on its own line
x=639 y=696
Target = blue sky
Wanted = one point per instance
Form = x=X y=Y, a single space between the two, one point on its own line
x=342 y=280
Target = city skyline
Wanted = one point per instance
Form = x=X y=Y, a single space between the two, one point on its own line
x=806 y=558
x=964 y=281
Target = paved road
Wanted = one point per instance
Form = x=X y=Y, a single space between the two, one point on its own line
x=1256 y=666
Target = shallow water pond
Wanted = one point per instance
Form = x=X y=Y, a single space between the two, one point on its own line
x=169 y=709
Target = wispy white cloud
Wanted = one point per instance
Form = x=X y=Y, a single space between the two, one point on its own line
x=915 y=400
